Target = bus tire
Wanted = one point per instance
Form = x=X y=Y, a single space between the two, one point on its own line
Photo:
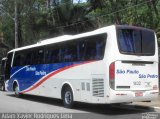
x=67 y=97
x=16 y=90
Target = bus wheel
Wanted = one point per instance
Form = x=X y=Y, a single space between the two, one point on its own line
x=68 y=97
x=17 y=91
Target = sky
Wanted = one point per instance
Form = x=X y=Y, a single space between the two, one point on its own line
x=76 y=1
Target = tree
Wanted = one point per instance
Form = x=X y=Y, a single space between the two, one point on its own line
x=39 y=19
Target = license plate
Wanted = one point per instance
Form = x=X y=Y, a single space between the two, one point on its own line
x=138 y=94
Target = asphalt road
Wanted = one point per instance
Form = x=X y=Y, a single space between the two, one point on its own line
x=34 y=104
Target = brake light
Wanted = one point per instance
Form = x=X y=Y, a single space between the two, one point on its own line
x=112 y=75
x=112 y=71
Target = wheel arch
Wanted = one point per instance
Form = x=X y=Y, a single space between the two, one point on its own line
x=15 y=82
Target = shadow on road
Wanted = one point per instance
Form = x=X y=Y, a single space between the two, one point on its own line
x=120 y=109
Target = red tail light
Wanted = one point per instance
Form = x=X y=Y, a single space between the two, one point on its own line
x=112 y=71
x=112 y=75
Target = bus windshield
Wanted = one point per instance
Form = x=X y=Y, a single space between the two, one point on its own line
x=136 y=41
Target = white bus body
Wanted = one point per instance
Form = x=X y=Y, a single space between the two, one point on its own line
x=126 y=72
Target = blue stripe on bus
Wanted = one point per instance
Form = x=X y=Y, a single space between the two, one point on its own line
x=29 y=75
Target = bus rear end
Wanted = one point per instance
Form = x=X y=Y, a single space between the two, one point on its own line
x=133 y=74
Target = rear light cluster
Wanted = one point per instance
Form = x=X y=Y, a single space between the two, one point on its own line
x=112 y=75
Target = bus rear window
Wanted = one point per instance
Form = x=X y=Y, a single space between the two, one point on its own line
x=136 y=42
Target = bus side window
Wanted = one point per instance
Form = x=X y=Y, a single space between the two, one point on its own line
x=39 y=56
x=28 y=58
x=16 y=60
x=73 y=51
x=48 y=57
x=52 y=55
x=69 y=52
x=22 y=59
x=90 y=49
x=19 y=59
x=100 y=47
x=81 y=48
x=64 y=54
x=55 y=55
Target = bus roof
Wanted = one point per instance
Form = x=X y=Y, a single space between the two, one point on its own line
x=70 y=37
x=62 y=38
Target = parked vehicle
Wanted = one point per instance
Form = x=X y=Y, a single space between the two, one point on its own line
x=2 y=76
x=114 y=64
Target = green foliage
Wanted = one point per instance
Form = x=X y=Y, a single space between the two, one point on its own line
x=39 y=19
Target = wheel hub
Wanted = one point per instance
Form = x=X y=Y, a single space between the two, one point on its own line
x=68 y=97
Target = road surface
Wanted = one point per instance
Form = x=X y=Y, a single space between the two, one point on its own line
x=34 y=104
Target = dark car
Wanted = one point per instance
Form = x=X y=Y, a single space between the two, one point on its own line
x=2 y=76
x=2 y=83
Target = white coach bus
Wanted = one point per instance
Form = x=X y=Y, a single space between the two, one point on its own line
x=114 y=64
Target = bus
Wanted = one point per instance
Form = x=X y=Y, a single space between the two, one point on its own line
x=113 y=64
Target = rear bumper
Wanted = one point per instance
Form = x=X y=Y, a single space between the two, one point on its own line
x=129 y=96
